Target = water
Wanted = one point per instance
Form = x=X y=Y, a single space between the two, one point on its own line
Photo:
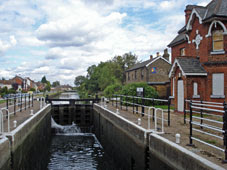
x=72 y=150
x=77 y=152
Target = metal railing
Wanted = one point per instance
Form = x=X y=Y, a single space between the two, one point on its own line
x=15 y=104
x=19 y=103
x=201 y=111
x=211 y=123
x=135 y=102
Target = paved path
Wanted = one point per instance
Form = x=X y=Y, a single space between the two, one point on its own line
x=19 y=116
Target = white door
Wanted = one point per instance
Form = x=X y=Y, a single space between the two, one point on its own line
x=180 y=96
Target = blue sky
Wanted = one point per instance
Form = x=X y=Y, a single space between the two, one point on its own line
x=61 y=38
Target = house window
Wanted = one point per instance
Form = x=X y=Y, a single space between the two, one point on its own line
x=195 y=90
x=218 y=44
x=135 y=74
x=182 y=52
x=218 y=85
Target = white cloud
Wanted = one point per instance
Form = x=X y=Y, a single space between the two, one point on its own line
x=77 y=34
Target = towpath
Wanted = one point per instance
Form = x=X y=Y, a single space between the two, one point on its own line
x=176 y=126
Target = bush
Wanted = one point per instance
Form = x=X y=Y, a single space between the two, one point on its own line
x=112 y=89
x=130 y=90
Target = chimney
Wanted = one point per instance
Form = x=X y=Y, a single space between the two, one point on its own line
x=166 y=54
x=188 y=12
x=151 y=57
x=158 y=54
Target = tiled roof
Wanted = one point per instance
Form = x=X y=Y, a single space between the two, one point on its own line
x=216 y=8
x=191 y=65
x=178 y=39
x=140 y=65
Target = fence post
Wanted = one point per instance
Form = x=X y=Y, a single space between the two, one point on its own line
x=190 y=137
x=21 y=103
x=116 y=101
x=14 y=105
x=126 y=102
x=201 y=115
x=32 y=100
x=153 y=109
x=142 y=106
x=169 y=102
x=121 y=98
x=184 y=111
x=133 y=104
x=25 y=102
x=225 y=131
x=29 y=97
x=137 y=105
x=7 y=103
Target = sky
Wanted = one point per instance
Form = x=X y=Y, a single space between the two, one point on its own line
x=62 y=38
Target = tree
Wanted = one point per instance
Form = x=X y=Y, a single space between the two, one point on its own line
x=56 y=83
x=44 y=80
x=123 y=63
x=79 y=80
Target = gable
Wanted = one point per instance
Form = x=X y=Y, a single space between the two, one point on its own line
x=158 y=59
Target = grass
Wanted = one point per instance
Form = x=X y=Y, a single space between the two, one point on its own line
x=211 y=141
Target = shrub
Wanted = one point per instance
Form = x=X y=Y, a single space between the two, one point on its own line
x=130 y=90
x=112 y=89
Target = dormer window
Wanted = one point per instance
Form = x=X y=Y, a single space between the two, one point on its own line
x=182 y=52
x=218 y=40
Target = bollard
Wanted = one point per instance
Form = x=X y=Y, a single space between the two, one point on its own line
x=32 y=112
x=117 y=111
x=14 y=123
x=139 y=121
x=177 y=138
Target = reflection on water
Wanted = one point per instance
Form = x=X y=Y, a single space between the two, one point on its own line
x=77 y=152
x=69 y=95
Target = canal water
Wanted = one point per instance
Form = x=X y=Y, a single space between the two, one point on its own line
x=72 y=150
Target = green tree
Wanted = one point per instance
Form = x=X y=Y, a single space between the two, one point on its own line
x=79 y=80
x=44 y=80
x=56 y=83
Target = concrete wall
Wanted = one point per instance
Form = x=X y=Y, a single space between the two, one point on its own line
x=29 y=142
x=133 y=147
x=4 y=153
x=122 y=141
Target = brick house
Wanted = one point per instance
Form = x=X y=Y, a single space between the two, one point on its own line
x=19 y=82
x=153 y=71
x=199 y=58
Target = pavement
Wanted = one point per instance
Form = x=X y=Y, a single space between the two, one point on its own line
x=21 y=115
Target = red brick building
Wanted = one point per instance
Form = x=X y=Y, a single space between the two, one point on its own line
x=199 y=57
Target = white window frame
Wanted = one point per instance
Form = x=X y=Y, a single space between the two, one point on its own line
x=195 y=90
x=218 y=85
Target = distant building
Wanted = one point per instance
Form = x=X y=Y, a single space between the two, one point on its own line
x=5 y=83
x=199 y=57
x=154 y=72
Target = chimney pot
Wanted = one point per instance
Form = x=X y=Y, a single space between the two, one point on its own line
x=158 y=54
x=151 y=57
